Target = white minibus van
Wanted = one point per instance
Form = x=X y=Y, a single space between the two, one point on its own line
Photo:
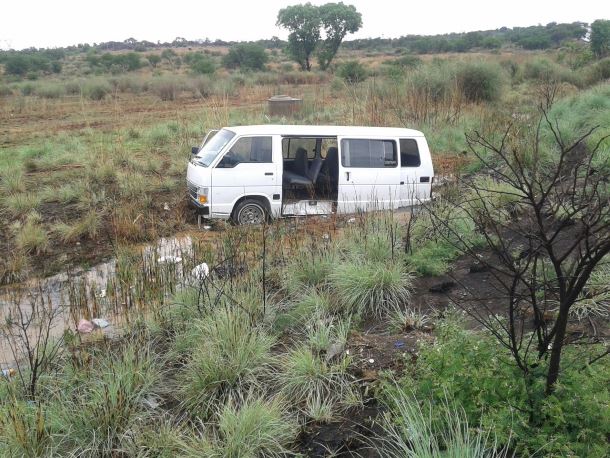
x=250 y=173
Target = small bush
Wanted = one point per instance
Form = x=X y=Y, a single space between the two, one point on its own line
x=27 y=89
x=432 y=83
x=126 y=83
x=352 y=72
x=480 y=81
x=600 y=71
x=5 y=90
x=246 y=56
x=470 y=371
x=72 y=88
x=50 y=91
x=545 y=71
x=406 y=61
x=96 y=90
x=166 y=88
x=512 y=68
x=200 y=63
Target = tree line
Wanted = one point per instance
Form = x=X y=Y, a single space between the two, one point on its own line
x=316 y=32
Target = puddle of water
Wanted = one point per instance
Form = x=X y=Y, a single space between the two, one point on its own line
x=95 y=291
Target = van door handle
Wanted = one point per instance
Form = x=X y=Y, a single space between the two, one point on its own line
x=347 y=176
x=268 y=173
x=402 y=182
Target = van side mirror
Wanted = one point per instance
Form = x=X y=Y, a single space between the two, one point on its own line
x=194 y=150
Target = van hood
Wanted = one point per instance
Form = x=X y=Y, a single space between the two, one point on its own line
x=198 y=175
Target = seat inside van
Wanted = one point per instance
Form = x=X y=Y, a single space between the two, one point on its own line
x=311 y=168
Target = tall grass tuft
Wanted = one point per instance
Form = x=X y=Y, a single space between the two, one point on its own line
x=254 y=427
x=229 y=356
x=31 y=237
x=12 y=181
x=370 y=287
x=96 y=415
x=22 y=203
x=411 y=431
x=306 y=375
x=87 y=226
x=310 y=268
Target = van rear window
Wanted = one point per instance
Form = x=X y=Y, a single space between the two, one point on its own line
x=368 y=153
x=409 y=153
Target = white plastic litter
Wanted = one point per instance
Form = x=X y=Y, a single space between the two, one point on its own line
x=200 y=272
x=102 y=293
x=166 y=206
x=371 y=360
x=100 y=322
x=8 y=373
x=169 y=260
x=351 y=220
x=207 y=228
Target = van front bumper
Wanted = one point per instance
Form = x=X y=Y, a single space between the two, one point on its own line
x=200 y=209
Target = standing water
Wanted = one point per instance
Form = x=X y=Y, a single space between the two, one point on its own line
x=112 y=290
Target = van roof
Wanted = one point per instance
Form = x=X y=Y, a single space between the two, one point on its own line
x=331 y=131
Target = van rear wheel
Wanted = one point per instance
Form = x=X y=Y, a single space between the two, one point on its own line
x=250 y=211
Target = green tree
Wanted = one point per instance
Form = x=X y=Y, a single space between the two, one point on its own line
x=303 y=21
x=600 y=38
x=337 y=20
x=17 y=64
x=247 y=56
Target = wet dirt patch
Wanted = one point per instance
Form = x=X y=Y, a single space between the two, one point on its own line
x=347 y=437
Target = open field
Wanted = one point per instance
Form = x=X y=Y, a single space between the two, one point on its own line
x=351 y=336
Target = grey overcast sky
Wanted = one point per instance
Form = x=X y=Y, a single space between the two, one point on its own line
x=52 y=23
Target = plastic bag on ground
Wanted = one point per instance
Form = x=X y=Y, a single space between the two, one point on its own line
x=85 y=326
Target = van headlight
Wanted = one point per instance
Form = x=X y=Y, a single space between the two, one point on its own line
x=202 y=195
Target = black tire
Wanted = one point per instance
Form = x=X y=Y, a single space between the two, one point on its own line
x=250 y=211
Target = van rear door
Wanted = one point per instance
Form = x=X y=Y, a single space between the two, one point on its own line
x=368 y=174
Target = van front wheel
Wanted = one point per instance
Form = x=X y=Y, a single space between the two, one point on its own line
x=250 y=211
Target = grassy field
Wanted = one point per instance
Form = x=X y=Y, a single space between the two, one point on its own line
x=310 y=337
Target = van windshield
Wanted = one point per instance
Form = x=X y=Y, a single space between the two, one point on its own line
x=213 y=146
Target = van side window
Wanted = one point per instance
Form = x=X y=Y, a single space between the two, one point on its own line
x=292 y=144
x=409 y=153
x=327 y=143
x=248 y=149
x=368 y=153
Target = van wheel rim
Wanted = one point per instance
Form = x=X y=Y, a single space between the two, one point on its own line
x=251 y=214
